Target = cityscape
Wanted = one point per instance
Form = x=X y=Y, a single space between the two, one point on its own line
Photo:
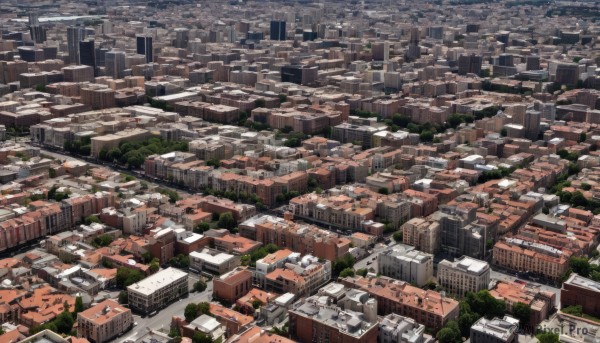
x=313 y=171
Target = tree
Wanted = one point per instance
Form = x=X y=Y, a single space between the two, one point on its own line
x=78 y=306
x=574 y=310
x=362 y=272
x=450 y=333
x=398 y=236
x=343 y=262
x=484 y=304
x=154 y=265
x=347 y=272
x=384 y=190
x=547 y=337
x=102 y=240
x=127 y=277
x=522 y=312
x=191 y=312
x=201 y=337
x=503 y=132
x=580 y=265
x=257 y=303
x=226 y=221
x=200 y=286
x=204 y=308
x=64 y=322
x=92 y=219
x=202 y=227
x=123 y=297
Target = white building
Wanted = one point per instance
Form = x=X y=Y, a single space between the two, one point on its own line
x=405 y=263
x=465 y=274
x=158 y=290
x=395 y=328
x=495 y=330
x=212 y=261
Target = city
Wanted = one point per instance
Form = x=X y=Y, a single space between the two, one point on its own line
x=344 y=171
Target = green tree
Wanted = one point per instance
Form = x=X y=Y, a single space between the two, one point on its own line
x=256 y=304
x=78 y=306
x=127 y=277
x=362 y=272
x=226 y=221
x=384 y=190
x=200 y=286
x=201 y=337
x=522 y=312
x=547 y=337
x=64 y=322
x=102 y=240
x=343 y=262
x=450 y=333
x=580 y=265
x=484 y=304
x=123 y=297
x=503 y=132
x=154 y=265
x=191 y=312
x=92 y=219
x=398 y=236
x=347 y=272
x=574 y=310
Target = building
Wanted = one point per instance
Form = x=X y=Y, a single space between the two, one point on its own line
x=114 y=61
x=212 y=262
x=278 y=30
x=353 y=319
x=299 y=74
x=395 y=328
x=464 y=275
x=567 y=74
x=144 y=47
x=404 y=262
x=110 y=141
x=87 y=53
x=299 y=276
x=75 y=34
x=469 y=64
x=268 y=264
x=421 y=233
x=541 y=302
x=233 y=285
x=578 y=290
x=158 y=290
x=426 y=307
x=495 y=330
x=459 y=233
x=104 y=321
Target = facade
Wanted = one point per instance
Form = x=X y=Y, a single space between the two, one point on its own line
x=463 y=275
x=87 y=53
x=233 y=285
x=578 y=290
x=395 y=328
x=496 y=330
x=158 y=290
x=212 y=261
x=405 y=263
x=278 y=30
x=75 y=34
x=104 y=321
x=144 y=47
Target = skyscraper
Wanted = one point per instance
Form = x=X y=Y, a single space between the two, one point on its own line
x=469 y=64
x=115 y=63
x=414 y=50
x=38 y=32
x=278 y=30
x=144 y=47
x=87 y=53
x=75 y=34
x=182 y=36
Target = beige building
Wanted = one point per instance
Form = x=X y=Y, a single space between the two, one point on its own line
x=110 y=141
x=104 y=321
x=423 y=234
x=158 y=290
x=404 y=262
x=464 y=275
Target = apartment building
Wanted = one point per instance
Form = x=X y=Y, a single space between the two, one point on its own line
x=464 y=275
x=404 y=262
x=104 y=321
x=541 y=302
x=302 y=238
x=538 y=258
x=352 y=320
x=338 y=211
x=268 y=264
x=497 y=330
x=113 y=140
x=395 y=328
x=301 y=276
x=231 y=286
x=158 y=290
x=423 y=234
x=426 y=307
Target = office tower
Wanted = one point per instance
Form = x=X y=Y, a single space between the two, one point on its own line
x=567 y=74
x=101 y=56
x=503 y=37
x=533 y=62
x=87 y=53
x=460 y=234
x=75 y=35
x=472 y=28
x=144 y=47
x=182 y=36
x=436 y=32
x=115 y=63
x=469 y=64
x=38 y=32
x=414 y=51
x=380 y=51
x=278 y=30
x=309 y=35
x=302 y=75
x=31 y=54
x=547 y=110
x=532 y=124
x=506 y=60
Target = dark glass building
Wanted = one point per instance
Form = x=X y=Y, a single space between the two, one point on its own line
x=87 y=53
x=144 y=47
x=278 y=30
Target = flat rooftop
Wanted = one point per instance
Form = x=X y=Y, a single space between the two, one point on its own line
x=157 y=281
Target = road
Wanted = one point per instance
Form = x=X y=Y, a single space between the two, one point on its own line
x=162 y=320
x=370 y=262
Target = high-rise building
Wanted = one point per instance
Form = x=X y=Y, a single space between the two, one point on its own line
x=38 y=32
x=299 y=74
x=532 y=124
x=144 y=47
x=182 y=36
x=405 y=263
x=532 y=62
x=277 y=31
x=414 y=50
x=567 y=74
x=506 y=60
x=380 y=51
x=75 y=34
x=469 y=64
x=115 y=63
x=87 y=53
x=460 y=234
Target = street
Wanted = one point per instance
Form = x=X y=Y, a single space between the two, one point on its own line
x=162 y=320
x=370 y=262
